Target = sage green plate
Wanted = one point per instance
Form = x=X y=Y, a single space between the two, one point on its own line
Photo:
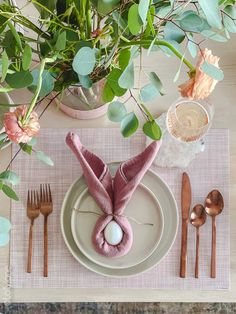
x=143 y=207
x=171 y=221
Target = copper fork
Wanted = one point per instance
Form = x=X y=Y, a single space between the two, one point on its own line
x=46 y=207
x=32 y=213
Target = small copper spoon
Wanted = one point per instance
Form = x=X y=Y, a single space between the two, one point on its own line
x=214 y=205
x=197 y=219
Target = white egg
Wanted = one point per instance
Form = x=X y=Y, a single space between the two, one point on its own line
x=113 y=233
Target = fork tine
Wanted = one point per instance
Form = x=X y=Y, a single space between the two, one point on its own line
x=32 y=197
x=28 y=199
x=37 y=199
x=34 y=203
x=45 y=192
x=49 y=193
x=41 y=193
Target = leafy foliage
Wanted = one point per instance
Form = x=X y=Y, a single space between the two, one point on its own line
x=82 y=42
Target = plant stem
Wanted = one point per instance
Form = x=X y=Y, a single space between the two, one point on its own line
x=35 y=97
x=148 y=113
x=159 y=43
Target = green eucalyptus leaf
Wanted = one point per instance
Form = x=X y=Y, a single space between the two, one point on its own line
x=10 y=192
x=27 y=148
x=15 y=34
x=156 y=82
x=212 y=12
x=84 y=61
x=5 y=65
x=129 y=124
x=230 y=21
x=112 y=80
x=124 y=58
x=9 y=176
x=173 y=32
x=4 y=144
x=192 y=48
x=44 y=158
x=61 y=41
x=116 y=111
x=4 y=238
x=152 y=130
x=85 y=81
x=134 y=20
x=105 y=8
x=163 y=11
x=5 y=225
x=214 y=36
x=107 y=94
x=33 y=142
x=27 y=57
x=19 y=79
x=10 y=44
x=47 y=82
x=143 y=9
x=3 y=136
x=192 y=22
x=126 y=79
x=212 y=71
x=148 y=93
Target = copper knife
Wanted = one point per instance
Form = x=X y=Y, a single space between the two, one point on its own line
x=186 y=196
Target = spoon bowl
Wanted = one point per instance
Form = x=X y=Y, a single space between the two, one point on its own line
x=214 y=205
x=197 y=219
x=198 y=216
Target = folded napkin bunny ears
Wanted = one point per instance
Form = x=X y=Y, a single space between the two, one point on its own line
x=112 y=196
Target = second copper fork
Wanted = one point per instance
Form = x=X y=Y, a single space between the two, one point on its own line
x=46 y=207
x=32 y=213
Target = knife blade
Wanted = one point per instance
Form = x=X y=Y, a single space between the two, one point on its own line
x=186 y=197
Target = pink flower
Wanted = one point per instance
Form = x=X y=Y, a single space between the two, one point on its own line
x=201 y=85
x=18 y=131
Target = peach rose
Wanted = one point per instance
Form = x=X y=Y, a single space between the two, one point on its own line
x=17 y=131
x=201 y=85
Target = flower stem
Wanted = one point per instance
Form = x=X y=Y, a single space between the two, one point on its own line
x=35 y=97
x=160 y=43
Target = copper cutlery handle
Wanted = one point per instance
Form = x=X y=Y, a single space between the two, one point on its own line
x=30 y=248
x=183 y=256
x=213 y=248
x=45 y=267
x=197 y=253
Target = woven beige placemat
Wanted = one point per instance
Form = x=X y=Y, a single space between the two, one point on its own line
x=209 y=170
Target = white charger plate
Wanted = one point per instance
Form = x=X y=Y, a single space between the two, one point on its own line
x=171 y=218
x=143 y=207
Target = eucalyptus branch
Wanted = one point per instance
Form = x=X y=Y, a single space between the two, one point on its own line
x=160 y=43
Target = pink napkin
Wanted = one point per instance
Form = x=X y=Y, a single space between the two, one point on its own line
x=112 y=196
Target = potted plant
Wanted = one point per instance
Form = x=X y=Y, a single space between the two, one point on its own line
x=83 y=52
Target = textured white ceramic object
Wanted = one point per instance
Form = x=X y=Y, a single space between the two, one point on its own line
x=172 y=152
x=113 y=233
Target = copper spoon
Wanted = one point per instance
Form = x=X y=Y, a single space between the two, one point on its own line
x=197 y=219
x=214 y=205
